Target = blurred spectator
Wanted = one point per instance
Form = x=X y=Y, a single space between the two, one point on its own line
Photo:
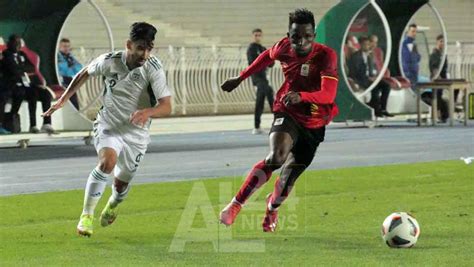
x=351 y=46
x=377 y=52
x=410 y=56
x=15 y=69
x=363 y=70
x=436 y=58
x=435 y=64
x=68 y=66
x=4 y=94
x=259 y=79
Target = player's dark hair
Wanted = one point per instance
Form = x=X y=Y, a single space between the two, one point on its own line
x=413 y=25
x=64 y=40
x=301 y=16
x=13 y=40
x=363 y=39
x=142 y=31
x=439 y=37
x=256 y=30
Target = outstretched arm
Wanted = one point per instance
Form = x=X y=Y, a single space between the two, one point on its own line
x=75 y=84
x=260 y=63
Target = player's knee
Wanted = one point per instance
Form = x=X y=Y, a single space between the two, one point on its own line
x=107 y=165
x=276 y=158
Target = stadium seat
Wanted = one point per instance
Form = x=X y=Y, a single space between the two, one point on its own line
x=2 y=45
x=55 y=90
x=394 y=82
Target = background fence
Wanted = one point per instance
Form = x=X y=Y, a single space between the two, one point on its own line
x=195 y=73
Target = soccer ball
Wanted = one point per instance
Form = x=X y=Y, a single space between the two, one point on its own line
x=400 y=230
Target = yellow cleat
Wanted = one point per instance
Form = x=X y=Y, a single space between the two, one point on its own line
x=84 y=227
x=108 y=215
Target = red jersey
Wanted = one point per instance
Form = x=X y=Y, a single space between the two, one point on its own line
x=313 y=76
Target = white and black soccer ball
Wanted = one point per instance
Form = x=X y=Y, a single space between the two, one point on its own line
x=400 y=230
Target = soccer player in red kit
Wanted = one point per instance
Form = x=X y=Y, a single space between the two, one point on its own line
x=304 y=105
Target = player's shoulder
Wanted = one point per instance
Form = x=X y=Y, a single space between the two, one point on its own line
x=280 y=47
x=153 y=64
x=326 y=51
x=283 y=43
x=111 y=56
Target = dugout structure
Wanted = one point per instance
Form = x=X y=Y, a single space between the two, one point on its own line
x=333 y=30
x=39 y=23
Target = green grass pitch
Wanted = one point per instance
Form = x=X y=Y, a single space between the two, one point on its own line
x=333 y=218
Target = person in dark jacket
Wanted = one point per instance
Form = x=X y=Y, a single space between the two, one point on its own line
x=4 y=95
x=364 y=72
x=259 y=79
x=16 y=67
x=435 y=65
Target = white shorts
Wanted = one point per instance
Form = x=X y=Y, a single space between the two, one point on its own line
x=129 y=154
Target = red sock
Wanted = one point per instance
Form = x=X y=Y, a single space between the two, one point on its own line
x=280 y=193
x=258 y=176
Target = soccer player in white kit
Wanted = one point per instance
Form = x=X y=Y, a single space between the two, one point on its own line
x=135 y=91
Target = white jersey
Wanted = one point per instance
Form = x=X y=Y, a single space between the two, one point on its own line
x=127 y=91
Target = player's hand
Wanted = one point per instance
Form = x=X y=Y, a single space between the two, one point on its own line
x=139 y=117
x=231 y=84
x=59 y=104
x=292 y=98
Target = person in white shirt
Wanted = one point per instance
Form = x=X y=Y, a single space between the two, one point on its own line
x=135 y=92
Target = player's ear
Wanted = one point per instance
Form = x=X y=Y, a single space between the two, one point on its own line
x=129 y=44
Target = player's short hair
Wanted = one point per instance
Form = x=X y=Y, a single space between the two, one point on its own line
x=13 y=40
x=372 y=36
x=363 y=39
x=301 y=16
x=413 y=25
x=439 y=37
x=256 y=30
x=64 y=40
x=142 y=31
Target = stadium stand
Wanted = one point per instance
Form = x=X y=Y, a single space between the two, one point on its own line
x=208 y=43
x=187 y=22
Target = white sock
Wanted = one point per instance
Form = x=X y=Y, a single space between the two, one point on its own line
x=95 y=188
x=270 y=207
x=234 y=200
x=117 y=197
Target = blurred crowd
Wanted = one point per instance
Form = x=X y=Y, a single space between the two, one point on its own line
x=21 y=81
x=364 y=61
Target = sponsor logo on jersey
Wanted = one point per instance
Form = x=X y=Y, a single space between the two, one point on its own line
x=278 y=121
x=135 y=76
x=314 y=109
x=304 y=70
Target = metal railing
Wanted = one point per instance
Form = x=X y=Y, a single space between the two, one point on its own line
x=195 y=73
